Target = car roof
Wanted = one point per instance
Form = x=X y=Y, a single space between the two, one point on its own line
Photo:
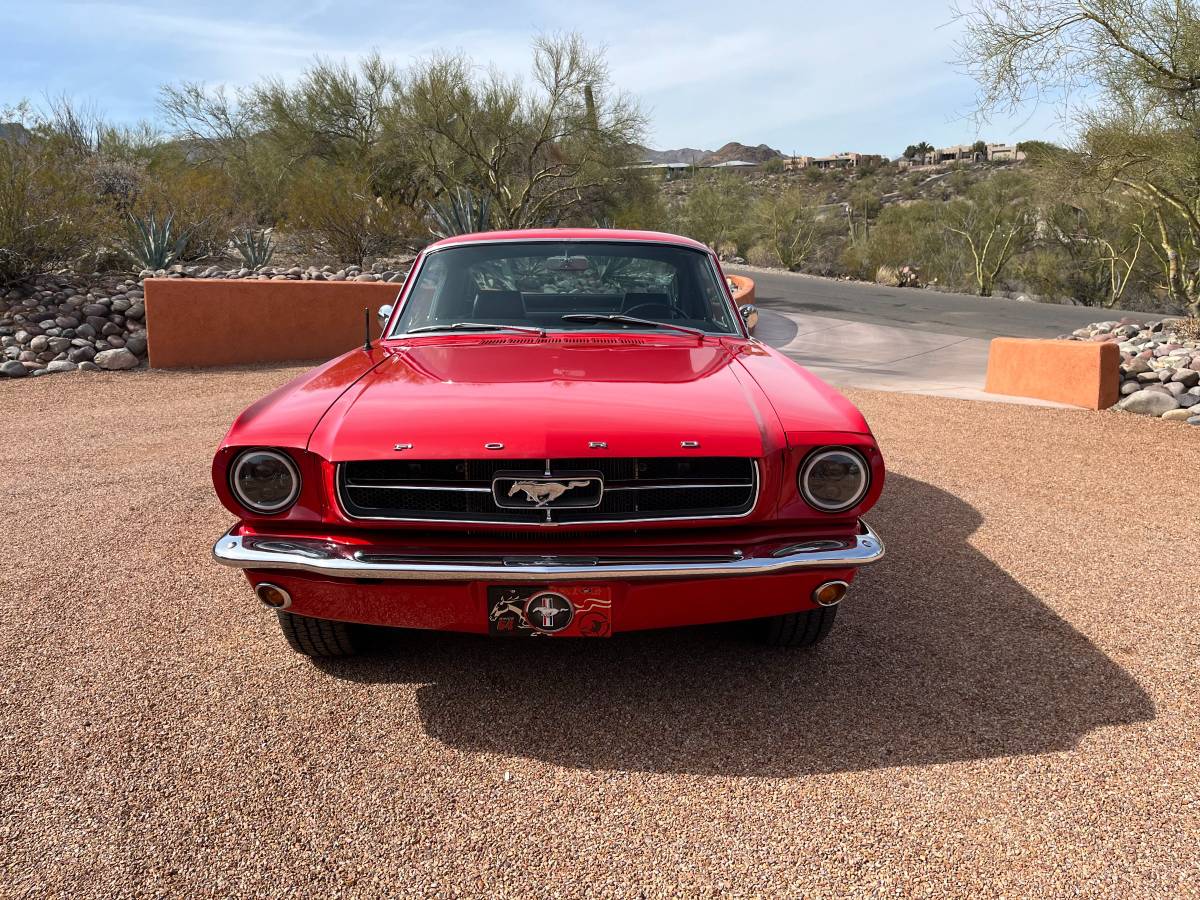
x=569 y=234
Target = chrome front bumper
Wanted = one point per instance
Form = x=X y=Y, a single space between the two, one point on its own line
x=337 y=560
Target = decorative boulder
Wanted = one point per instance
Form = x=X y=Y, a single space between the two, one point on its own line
x=115 y=360
x=1145 y=403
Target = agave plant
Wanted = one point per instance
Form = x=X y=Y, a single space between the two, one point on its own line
x=462 y=213
x=151 y=244
x=254 y=246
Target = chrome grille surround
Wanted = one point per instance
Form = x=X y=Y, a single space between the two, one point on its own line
x=460 y=491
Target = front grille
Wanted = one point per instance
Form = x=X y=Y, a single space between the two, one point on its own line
x=635 y=489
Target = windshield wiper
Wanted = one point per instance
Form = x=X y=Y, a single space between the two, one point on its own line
x=631 y=320
x=472 y=326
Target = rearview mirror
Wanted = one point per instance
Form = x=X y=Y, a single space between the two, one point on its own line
x=567 y=263
x=749 y=314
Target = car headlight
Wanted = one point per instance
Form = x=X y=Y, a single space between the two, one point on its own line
x=264 y=481
x=835 y=479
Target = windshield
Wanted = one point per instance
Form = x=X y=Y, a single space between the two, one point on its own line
x=594 y=285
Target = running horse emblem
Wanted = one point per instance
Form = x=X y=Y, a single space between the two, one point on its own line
x=541 y=493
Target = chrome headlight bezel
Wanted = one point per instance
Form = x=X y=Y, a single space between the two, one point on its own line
x=822 y=453
x=271 y=509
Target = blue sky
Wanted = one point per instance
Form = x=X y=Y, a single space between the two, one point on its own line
x=816 y=78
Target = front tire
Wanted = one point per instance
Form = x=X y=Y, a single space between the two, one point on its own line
x=320 y=638
x=798 y=629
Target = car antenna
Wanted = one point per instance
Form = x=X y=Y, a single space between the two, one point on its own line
x=366 y=328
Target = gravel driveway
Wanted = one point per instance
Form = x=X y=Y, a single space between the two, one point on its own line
x=1010 y=704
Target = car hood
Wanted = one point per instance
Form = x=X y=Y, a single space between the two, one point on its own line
x=449 y=398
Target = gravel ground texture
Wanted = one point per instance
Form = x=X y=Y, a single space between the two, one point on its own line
x=1008 y=706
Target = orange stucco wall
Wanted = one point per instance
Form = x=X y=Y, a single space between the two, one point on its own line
x=1081 y=373
x=220 y=322
x=743 y=289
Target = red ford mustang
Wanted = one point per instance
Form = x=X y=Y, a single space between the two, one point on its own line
x=560 y=432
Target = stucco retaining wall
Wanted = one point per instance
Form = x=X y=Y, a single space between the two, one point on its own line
x=196 y=323
x=743 y=289
x=1080 y=373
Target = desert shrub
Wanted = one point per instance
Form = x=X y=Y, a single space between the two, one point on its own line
x=909 y=234
x=201 y=199
x=888 y=276
x=717 y=211
x=638 y=203
x=992 y=225
x=786 y=227
x=1045 y=272
x=337 y=207
x=761 y=255
x=49 y=211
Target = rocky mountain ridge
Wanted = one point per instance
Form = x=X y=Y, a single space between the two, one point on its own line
x=731 y=151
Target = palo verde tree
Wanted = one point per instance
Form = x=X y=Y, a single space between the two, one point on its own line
x=1141 y=136
x=994 y=222
x=542 y=153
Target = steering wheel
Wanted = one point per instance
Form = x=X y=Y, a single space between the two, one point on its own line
x=663 y=310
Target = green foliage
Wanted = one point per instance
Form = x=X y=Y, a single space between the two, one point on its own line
x=787 y=227
x=716 y=211
x=640 y=205
x=546 y=152
x=550 y=150
x=909 y=235
x=460 y=212
x=152 y=244
x=50 y=212
x=993 y=222
x=913 y=151
x=336 y=206
x=1140 y=139
x=254 y=246
x=204 y=197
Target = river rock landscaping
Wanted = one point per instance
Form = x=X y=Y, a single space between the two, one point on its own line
x=68 y=323
x=1160 y=365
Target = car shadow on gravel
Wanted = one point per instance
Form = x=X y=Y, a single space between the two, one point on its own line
x=937 y=656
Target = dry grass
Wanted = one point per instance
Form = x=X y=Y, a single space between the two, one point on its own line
x=1009 y=705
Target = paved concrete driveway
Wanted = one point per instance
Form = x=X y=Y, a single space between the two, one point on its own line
x=896 y=339
x=958 y=314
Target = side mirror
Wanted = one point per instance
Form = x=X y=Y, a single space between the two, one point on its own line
x=385 y=313
x=749 y=315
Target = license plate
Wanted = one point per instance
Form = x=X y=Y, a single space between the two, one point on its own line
x=550 y=611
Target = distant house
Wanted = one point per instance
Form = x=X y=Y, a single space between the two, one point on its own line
x=668 y=169
x=674 y=169
x=739 y=164
x=970 y=153
x=836 y=161
x=1004 y=152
